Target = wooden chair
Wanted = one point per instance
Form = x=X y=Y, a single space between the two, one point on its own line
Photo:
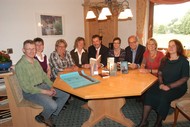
x=184 y=108
x=170 y=117
x=23 y=112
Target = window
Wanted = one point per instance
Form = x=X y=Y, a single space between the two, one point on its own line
x=172 y=22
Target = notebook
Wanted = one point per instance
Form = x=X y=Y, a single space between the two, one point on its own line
x=78 y=79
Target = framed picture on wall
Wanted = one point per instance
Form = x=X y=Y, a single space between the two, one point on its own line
x=48 y=25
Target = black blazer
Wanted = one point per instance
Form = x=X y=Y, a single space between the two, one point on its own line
x=139 y=54
x=103 y=52
x=75 y=57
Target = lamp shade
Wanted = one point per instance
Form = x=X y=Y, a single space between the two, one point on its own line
x=122 y=15
x=128 y=12
x=102 y=16
x=90 y=15
x=106 y=11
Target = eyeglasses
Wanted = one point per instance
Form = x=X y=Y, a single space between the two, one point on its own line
x=30 y=49
x=61 y=46
x=133 y=42
x=116 y=43
x=39 y=44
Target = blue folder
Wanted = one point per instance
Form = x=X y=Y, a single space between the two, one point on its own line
x=76 y=80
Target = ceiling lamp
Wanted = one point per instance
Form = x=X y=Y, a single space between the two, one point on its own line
x=125 y=14
x=90 y=15
x=106 y=11
x=128 y=12
x=102 y=16
x=109 y=7
x=122 y=15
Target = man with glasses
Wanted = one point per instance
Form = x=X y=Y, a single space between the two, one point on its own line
x=37 y=87
x=134 y=52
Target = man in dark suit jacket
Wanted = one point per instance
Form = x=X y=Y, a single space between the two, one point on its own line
x=97 y=48
x=134 y=52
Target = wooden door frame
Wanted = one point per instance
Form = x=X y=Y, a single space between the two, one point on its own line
x=151 y=19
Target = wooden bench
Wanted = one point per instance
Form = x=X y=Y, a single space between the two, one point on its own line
x=181 y=118
x=23 y=112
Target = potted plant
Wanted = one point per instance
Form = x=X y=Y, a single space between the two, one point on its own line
x=5 y=61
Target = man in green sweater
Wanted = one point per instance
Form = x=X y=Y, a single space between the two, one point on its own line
x=37 y=87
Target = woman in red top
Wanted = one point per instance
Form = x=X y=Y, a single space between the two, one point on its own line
x=151 y=58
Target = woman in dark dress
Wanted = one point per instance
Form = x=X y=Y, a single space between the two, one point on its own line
x=173 y=74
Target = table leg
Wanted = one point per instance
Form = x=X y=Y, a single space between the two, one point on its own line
x=110 y=108
x=85 y=106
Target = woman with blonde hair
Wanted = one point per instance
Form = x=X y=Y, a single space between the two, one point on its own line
x=79 y=54
x=151 y=58
x=60 y=59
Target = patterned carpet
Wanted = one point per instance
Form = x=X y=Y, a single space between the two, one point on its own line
x=74 y=115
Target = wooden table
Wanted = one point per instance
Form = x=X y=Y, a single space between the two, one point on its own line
x=106 y=98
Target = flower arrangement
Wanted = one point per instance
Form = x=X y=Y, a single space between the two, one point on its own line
x=5 y=62
x=4 y=57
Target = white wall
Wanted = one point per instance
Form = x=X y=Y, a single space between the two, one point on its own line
x=18 y=23
x=127 y=28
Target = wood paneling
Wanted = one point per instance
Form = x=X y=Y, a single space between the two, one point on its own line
x=108 y=29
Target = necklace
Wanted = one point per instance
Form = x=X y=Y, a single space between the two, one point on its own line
x=153 y=55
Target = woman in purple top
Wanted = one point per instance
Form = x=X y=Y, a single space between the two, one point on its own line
x=118 y=53
x=42 y=58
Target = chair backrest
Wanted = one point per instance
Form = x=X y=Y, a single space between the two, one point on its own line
x=17 y=93
x=188 y=85
x=188 y=82
x=15 y=88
